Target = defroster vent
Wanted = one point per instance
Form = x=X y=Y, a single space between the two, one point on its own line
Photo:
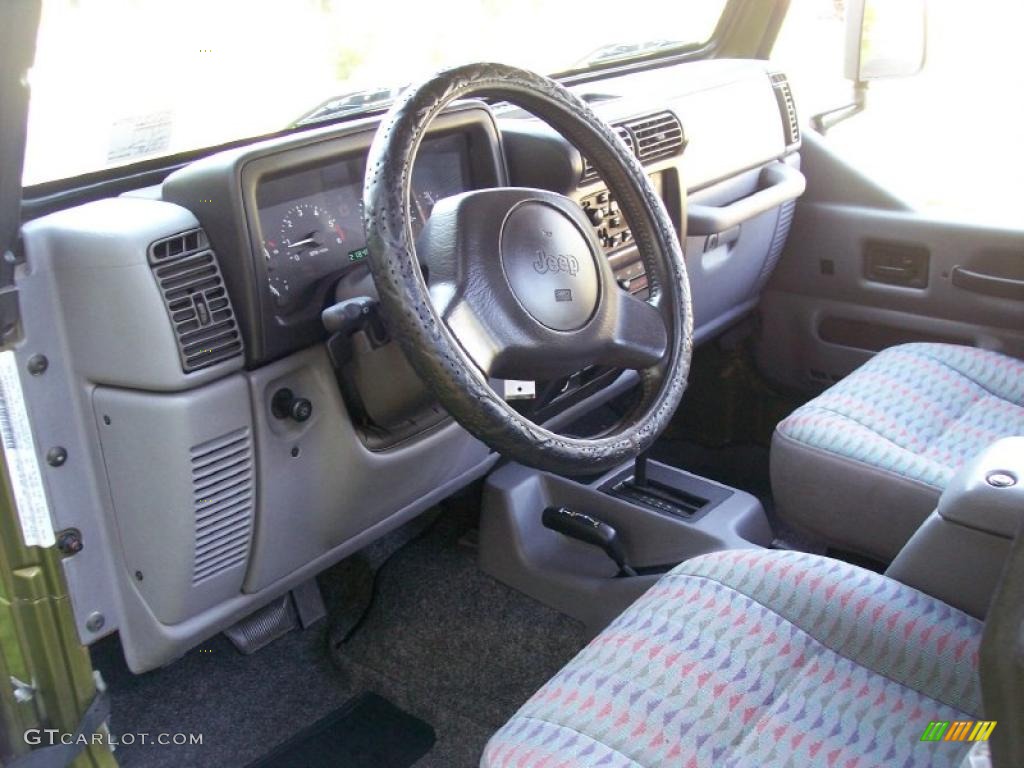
x=222 y=490
x=197 y=301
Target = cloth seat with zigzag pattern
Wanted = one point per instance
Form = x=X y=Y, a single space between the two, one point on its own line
x=862 y=465
x=761 y=658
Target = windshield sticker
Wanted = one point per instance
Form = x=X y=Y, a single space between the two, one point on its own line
x=140 y=135
x=20 y=450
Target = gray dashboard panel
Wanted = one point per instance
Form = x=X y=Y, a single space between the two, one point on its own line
x=180 y=468
x=727 y=107
x=113 y=314
x=335 y=487
x=86 y=265
x=733 y=129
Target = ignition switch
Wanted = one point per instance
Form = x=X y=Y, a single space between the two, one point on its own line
x=285 y=405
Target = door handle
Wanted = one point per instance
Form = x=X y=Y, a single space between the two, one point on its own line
x=895 y=263
x=894 y=271
x=990 y=285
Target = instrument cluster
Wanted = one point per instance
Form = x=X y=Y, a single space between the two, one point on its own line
x=311 y=221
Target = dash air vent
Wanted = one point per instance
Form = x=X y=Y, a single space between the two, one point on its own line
x=222 y=490
x=197 y=302
x=589 y=172
x=650 y=138
x=657 y=136
x=787 y=108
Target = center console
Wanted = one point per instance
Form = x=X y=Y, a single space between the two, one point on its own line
x=661 y=515
x=958 y=553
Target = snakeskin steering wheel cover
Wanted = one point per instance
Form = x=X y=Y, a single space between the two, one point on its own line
x=435 y=353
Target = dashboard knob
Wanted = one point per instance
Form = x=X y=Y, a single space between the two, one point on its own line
x=595 y=215
x=301 y=409
x=285 y=405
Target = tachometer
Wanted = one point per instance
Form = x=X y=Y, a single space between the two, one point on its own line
x=309 y=230
x=306 y=234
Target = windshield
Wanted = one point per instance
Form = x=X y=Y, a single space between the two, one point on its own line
x=118 y=81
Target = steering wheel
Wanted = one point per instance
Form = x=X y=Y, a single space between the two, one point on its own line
x=519 y=287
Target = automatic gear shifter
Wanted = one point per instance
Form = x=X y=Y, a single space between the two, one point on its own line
x=589 y=530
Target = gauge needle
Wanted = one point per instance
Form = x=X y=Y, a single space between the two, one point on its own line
x=308 y=240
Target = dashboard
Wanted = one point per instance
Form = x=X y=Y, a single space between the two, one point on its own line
x=311 y=221
x=192 y=310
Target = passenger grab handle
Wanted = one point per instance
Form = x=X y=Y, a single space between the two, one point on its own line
x=779 y=183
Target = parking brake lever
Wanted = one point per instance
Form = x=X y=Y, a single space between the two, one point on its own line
x=589 y=530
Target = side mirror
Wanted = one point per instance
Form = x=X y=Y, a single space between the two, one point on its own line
x=885 y=38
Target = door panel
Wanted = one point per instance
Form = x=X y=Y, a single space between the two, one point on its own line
x=862 y=272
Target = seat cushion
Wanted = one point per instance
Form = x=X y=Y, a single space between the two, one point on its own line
x=758 y=658
x=864 y=463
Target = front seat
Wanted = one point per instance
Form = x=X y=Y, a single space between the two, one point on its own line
x=758 y=658
x=862 y=465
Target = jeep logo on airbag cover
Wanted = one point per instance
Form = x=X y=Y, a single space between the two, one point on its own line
x=549 y=265
x=546 y=263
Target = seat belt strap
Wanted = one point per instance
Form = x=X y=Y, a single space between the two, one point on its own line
x=61 y=755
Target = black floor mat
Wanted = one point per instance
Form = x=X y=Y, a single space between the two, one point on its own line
x=368 y=732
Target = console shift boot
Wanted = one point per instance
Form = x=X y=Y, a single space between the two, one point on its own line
x=686 y=497
x=659 y=496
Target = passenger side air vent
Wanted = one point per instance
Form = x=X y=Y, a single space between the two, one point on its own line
x=787 y=109
x=657 y=136
x=650 y=138
x=222 y=492
x=589 y=172
x=196 y=299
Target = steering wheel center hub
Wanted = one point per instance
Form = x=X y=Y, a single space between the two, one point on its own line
x=549 y=265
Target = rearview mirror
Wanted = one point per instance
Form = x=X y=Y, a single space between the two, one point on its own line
x=885 y=38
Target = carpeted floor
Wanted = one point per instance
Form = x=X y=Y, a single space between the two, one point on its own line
x=441 y=640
